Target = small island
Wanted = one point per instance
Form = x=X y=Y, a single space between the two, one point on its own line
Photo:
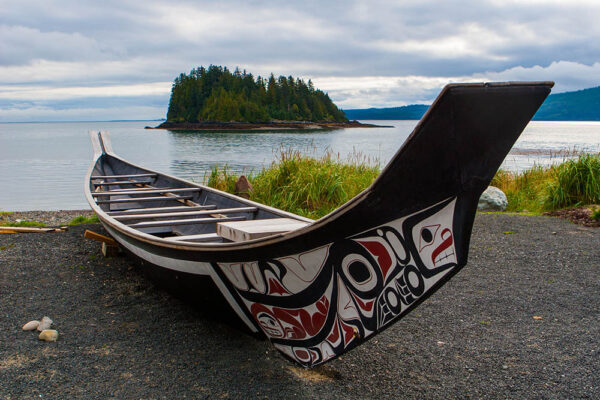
x=215 y=98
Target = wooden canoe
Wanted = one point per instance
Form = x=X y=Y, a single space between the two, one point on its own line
x=317 y=289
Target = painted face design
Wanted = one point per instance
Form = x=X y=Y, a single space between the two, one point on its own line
x=434 y=240
x=270 y=325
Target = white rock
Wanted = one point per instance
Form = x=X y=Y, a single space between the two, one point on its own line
x=45 y=323
x=493 y=199
x=31 y=325
x=49 y=335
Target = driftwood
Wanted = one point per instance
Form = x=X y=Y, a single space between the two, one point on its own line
x=23 y=229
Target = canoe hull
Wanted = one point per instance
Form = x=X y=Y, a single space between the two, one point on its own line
x=321 y=290
x=318 y=304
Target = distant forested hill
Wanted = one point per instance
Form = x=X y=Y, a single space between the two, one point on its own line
x=413 y=111
x=217 y=94
x=582 y=105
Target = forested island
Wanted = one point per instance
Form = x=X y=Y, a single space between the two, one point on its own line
x=217 y=98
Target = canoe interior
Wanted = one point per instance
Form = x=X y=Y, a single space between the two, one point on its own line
x=167 y=207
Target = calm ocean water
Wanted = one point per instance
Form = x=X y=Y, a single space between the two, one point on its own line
x=43 y=165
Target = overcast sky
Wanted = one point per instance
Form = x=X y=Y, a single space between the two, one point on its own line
x=106 y=60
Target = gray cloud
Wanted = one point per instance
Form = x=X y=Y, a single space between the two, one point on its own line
x=364 y=53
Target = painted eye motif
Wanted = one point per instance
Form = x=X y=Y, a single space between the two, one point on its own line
x=428 y=235
x=359 y=272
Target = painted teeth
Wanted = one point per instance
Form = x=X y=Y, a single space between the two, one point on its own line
x=446 y=254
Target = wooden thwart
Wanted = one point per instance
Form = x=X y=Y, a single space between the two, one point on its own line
x=123 y=176
x=144 y=191
x=159 y=210
x=202 y=237
x=121 y=183
x=185 y=213
x=254 y=229
x=189 y=221
x=139 y=199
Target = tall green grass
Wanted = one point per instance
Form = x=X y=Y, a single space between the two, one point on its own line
x=572 y=183
x=577 y=182
x=305 y=185
x=221 y=178
x=313 y=186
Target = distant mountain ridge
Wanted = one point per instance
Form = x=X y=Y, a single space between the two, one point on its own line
x=580 y=105
x=413 y=111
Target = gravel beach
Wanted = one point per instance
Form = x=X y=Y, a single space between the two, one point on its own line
x=521 y=320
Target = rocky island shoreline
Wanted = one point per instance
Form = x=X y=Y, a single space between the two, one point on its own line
x=267 y=126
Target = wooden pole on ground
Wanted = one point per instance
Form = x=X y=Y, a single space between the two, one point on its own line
x=23 y=229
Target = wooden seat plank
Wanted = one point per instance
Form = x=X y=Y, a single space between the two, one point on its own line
x=135 y=182
x=185 y=213
x=151 y=210
x=143 y=199
x=123 y=176
x=202 y=237
x=254 y=229
x=145 y=191
x=189 y=221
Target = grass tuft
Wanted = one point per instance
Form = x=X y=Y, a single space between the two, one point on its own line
x=596 y=213
x=24 y=224
x=221 y=178
x=82 y=219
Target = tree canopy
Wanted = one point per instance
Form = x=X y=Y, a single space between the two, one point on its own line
x=217 y=94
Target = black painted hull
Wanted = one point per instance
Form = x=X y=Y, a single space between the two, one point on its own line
x=322 y=290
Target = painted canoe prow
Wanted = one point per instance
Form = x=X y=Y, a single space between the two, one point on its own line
x=317 y=289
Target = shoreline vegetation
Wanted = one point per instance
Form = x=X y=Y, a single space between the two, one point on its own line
x=313 y=186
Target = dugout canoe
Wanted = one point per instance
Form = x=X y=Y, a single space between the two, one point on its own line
x=317 y=289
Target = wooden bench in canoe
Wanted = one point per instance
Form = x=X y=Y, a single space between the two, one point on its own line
x=316 y=289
